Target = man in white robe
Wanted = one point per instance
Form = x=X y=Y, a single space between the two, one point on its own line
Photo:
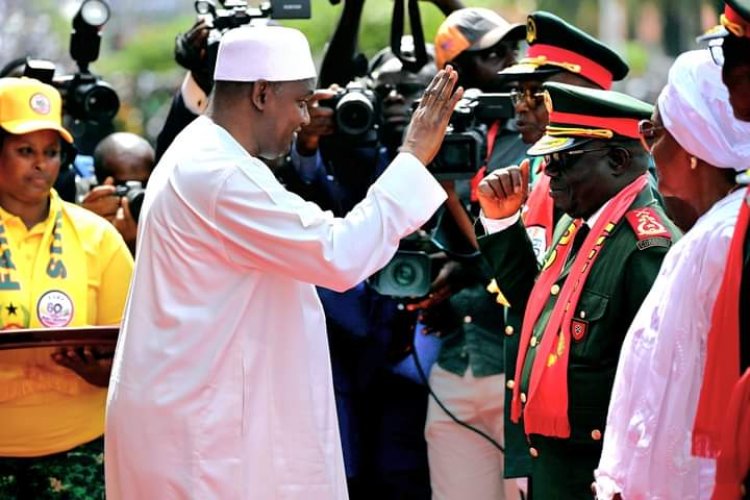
x=221 y=386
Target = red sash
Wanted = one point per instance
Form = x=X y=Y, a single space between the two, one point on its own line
x=546 y=409
x=723 y=354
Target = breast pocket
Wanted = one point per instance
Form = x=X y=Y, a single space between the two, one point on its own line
x=589 y=312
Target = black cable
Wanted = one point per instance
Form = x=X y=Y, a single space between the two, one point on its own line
x=448 y=412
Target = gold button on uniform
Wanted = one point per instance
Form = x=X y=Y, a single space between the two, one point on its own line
x=533 y=341
x=596 y=435
x=467 y=319
x=582 y=314
x=523 y=397
x=555 y=289
x=510 y=384
x=509 y=330
x=533 y=452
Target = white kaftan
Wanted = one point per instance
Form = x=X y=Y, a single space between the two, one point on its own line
x=648 y=436
x=221 y=386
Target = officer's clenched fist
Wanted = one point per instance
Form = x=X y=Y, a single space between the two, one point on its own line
x=504 y=191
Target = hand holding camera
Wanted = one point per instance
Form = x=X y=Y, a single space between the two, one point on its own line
x=191 y=52
x=102 y=200
x=321 y=123
x=503 y=192
x=120 y=205
x=429 y=121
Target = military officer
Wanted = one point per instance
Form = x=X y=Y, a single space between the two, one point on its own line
x=558 y=52
x=607 y=249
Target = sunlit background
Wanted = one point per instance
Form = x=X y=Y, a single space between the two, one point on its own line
x=137 y=55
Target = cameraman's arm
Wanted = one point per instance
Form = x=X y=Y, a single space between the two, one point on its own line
x=338 y=61
x=188 y=103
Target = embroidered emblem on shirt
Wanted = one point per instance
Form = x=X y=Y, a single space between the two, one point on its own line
x=646 y=223
x=578 y=329
x=54 y=309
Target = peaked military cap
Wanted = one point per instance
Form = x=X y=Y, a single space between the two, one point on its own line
x=734 y=21
x=578 y=115
x=555 y=45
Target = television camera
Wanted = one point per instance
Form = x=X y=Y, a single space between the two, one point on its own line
x=464 y=147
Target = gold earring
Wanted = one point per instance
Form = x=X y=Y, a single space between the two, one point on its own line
x=693 y=163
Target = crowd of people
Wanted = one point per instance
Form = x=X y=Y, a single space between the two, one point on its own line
x=585 y=332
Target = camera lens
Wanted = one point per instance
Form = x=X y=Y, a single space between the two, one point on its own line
x=404 y=274
x=99 y=102
x=354 y=114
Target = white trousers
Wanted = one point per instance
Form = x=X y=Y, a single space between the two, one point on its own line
x=463 y=464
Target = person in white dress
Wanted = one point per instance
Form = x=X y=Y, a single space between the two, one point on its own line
x=699 y=147
x=221 y=386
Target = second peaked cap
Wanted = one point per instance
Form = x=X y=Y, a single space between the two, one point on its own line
x=556 y=45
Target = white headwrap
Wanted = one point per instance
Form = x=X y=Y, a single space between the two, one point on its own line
x=695 y=109
x=272 y=53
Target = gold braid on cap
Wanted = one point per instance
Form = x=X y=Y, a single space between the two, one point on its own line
x=736 y=29
x=593 y=133
x=543 y=61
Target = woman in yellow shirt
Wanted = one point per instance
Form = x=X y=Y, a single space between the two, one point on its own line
x=60 y=266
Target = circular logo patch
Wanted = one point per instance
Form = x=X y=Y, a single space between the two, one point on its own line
x=54 y=309
x=41 y=104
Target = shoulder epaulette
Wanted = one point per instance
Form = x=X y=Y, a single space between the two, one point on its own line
x=648 y=228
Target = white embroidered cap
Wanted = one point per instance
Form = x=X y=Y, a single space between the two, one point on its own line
x=272 y=53
x=694 y=107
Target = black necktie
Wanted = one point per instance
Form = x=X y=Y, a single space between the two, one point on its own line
x=578 y=240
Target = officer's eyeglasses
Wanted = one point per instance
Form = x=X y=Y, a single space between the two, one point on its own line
x=566 y=159
x=649 y=132
x=532 y=98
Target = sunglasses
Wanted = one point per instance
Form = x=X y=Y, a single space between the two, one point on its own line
x=566 y=159
x=532 y=98
x=649 y=132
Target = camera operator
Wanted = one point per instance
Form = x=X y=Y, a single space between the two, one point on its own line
x=121 y=160
x=468 y=377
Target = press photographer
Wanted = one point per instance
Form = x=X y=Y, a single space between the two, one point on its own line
x=195 y=50
x=122 y=165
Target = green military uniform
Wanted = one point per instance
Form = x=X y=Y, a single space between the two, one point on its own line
x=619 y=280
x=555 y=46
